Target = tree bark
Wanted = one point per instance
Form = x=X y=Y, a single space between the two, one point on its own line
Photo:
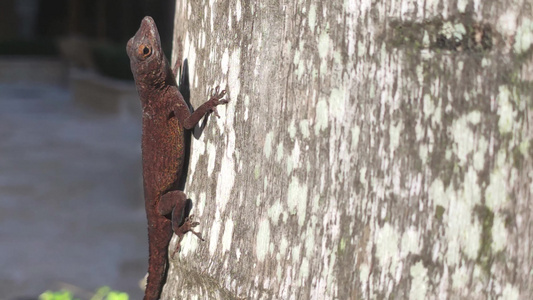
x=371 y=149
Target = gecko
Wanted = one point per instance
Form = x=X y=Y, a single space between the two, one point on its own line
x=167 y=122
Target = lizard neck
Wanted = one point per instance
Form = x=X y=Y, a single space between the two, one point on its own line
x=156 y=102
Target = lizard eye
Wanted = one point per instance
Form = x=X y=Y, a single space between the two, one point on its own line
x=144 y=51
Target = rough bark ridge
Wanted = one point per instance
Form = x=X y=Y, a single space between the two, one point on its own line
x=370 y=149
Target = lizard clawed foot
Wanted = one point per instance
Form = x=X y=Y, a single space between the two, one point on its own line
x=191 y=225
x=178 y=247
x=216 y=99
x=187 y=226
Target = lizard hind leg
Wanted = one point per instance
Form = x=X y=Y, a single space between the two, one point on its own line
x=181 y=228
x=170 y=200
x=179 y=207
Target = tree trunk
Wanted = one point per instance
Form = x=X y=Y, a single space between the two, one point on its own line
x=370 y=150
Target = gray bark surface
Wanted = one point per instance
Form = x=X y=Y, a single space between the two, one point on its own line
x=371 y=149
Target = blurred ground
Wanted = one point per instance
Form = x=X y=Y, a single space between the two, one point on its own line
x=71 y=209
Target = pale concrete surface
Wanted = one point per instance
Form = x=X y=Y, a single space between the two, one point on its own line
x=71 y=209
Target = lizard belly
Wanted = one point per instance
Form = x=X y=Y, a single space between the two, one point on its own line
x=163 y=155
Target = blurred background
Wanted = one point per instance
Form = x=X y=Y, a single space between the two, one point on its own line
x=71 y=204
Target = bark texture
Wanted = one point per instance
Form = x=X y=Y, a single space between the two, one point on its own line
x=371 y=149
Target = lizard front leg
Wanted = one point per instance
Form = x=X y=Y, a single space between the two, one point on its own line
x=177 y=204
x=207 y=107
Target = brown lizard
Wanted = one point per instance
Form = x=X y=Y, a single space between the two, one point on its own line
x=166 y=123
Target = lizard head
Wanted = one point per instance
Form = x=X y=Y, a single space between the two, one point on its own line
x=147 y=59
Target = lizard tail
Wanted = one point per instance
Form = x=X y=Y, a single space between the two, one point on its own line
x=157 y=271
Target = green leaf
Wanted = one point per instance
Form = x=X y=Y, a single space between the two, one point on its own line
x=61 y=295
x=102 y=293
x=115 y=295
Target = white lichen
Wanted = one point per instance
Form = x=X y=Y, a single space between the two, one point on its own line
x=419 y=69
x=267 y=147
x=292 y=130
x=297 y=199
x=419 y=283
x=246 y=107
x=394 y=135
x=462 y=233
x=321 y=116
x=198 y=148
x=524 y=36
x=364 y=273
x=262 y=239
x=447 y=30
x=211 y=157
x=323 y=45
x=293 y=162
x=387 y=248
x=436 y=193
x=506 y=23
x=461 y=5
x=429 y=107
x=423 y=153
x=279 y=152
x=463 y=137
x=496 y=192
x=224 y=62
x=238 y=10
x=505 y=110
x=304 y=271
x=499 y=234
x=309 y=240
x=312 y=17
x=510 y=292
x=226 y=177
x=227 y=235
x=479 y=154
x=471 y=192
x=275 y=211
x=410 y=242
x=234 y=77
x=295 y=253
x=304 y=128
x=459 y=31
x=200 y=203
x=356 y=131
x=337 y=99
x=214 y=233
x=425 y=40
x=460 y=277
